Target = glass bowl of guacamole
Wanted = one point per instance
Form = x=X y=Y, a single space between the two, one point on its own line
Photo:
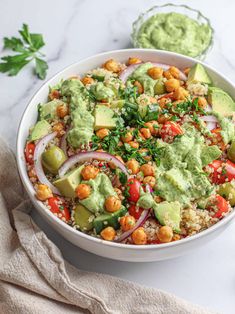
x=176 y=28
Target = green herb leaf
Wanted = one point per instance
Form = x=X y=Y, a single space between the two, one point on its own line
x=28 y=47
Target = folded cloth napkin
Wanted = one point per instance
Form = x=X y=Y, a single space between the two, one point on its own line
x=34 y=277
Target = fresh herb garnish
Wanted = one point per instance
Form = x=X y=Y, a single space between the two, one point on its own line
x=28 y=47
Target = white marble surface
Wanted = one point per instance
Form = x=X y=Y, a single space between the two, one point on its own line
x=79 y=28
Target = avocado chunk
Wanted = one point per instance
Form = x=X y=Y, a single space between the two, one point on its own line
x=221 y=102
x=40 y=129
x=117 y=103
x=104 y=118
x=159 y=87
x=107 y=219
x=168 y=214
x=198 y=73
x=48 y=111
x=68 y=183
x=227 y=190
x=53 y=158
x=83 y=218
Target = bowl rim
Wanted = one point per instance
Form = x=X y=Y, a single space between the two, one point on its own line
x=30 y=190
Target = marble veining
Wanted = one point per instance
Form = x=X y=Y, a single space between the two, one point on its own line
x=74 y=30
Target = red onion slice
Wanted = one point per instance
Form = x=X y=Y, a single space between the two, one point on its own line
x=209 y=118
x=211 y=125
x=139 y=223
x=39 y=149
x=128 y=71
x=87 y=156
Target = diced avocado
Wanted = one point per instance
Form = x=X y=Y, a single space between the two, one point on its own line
x=202 y=203
x=99 y=78
x=117 y=103
x=68 y=183
x=168 y=214
x=227 y=190
x=53 y=158
x=159 y=87
x=221 y=102
x=83 y=218
x=104 y=117
x=107 y=219
x=40 y=129
x=48 y=111
x=198 y=74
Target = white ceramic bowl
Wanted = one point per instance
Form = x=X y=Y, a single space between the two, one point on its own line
x=133 y=253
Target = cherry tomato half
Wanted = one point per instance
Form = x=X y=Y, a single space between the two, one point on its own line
x=219 y=205
x=135 y=212
x=222 y=171
x=133 y=190
x=169 y=130
x=29 y=151
x=57 y=208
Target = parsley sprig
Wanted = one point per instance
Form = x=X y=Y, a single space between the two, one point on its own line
x=27 y=48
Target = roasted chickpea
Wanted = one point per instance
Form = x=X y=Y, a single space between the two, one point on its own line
x=83 y=191
x=165 y=234
x=43 y=192
x=127 y=222
x=89 y=172
x=147 y=170
x=102 y=133
x=186 y=71
x=112 y=165
x=108 y=233
x=180 y=93
x=158 y=199
x=59 y=128
x=146 y=133
x=151 y=181
x=202 y=102
x=87 y=80
x=172 y=85
x=175 y=72
x=127 y=137
x=119 y=193
x=176 y=237
x=155 y=72
x=139 y=86
x=134 y=144
x=112 y=65
x=54 y=94
x=167 y=74
x=133 y=60
x=62 y=111
x=139 y=236
x=163 y=102
x=112 y=203
x=152 y=126
x=133 y=165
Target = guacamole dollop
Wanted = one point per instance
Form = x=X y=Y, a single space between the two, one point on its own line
x=82 y=120
x=174 y=32
x=101 y=188
x=180 y=175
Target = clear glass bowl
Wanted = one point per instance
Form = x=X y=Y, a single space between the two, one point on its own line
x=168 y=8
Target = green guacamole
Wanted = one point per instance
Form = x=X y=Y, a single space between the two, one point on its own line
x=81 y=118
x=175 y=32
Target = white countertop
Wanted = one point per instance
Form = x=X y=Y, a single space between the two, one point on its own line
x=79 y=28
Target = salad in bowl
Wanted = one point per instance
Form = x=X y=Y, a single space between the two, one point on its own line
x=135 y=152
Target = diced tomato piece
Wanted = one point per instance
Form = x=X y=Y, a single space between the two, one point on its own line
x=57 y=206
x=169 y=130
x=222 y=171
x=133 y=190
x=29 y=151
x=219 y=205
x=135 y=212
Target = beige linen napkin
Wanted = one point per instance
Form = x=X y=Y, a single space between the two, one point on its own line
x=34 y=277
